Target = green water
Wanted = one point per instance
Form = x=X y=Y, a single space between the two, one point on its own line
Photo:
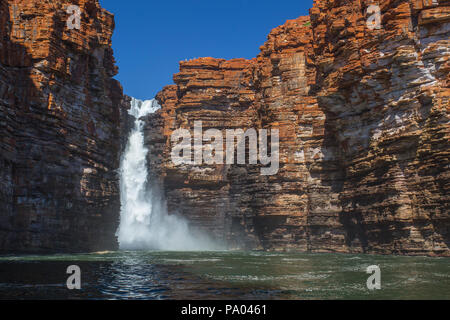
x=223 y=275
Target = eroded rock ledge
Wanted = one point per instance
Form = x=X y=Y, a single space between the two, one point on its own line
x=364 y=134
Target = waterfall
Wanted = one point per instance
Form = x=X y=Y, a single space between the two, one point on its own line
x=145 y=222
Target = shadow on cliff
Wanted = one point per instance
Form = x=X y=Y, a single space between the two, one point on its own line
x=373 y=199
x=47 y=210
x=17 y=88
x=352 y=222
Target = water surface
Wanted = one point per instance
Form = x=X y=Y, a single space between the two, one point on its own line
x=223 y=275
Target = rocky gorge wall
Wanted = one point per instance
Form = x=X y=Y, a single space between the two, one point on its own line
x=60 y=127
x=364 y=134
x=363 y=117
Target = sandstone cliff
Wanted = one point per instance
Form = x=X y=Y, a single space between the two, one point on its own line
x=364 y=134
x=363 y=117
x=60 y=114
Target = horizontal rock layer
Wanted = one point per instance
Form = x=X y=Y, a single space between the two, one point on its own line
x=60 y=114
x=364 y=134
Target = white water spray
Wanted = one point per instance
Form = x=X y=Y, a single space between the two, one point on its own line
x=145 y=223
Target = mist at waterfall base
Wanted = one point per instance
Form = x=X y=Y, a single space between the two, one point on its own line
x=145 y=223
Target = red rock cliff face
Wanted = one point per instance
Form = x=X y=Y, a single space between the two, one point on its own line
x=218 y=93
x=59 y=127
x=364 y=134
x=386 y=92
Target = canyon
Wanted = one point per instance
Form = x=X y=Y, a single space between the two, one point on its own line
x=363 y=117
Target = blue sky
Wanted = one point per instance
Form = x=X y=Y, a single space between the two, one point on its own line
x=151 y=37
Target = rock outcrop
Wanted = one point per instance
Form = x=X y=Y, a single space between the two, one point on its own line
x=363 y=117
x=60 y=125
x=364 y=134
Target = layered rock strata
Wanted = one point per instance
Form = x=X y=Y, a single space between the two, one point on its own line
x=60 y=128
x=362 y=115
x=364 y=134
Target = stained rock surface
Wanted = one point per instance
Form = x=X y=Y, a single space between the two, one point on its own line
x=363 y=116
x=60 y=128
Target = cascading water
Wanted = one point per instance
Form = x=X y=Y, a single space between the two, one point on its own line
x=145 y=223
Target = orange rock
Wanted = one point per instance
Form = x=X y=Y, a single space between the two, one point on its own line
x=364 y=134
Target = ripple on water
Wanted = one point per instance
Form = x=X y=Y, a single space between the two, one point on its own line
x=304 y=276
x=191 y=261
x=295 y=259
x=233 y=275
